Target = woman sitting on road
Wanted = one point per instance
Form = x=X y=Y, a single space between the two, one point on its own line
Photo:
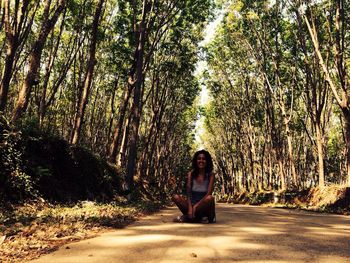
x=200 y=184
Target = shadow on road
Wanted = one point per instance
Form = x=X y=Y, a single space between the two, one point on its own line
x=242 y=234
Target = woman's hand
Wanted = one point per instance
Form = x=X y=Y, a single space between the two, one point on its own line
x=194 y=209
x=190 y=212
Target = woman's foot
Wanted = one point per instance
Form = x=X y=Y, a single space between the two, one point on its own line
x=181 y=219
x=212 y=218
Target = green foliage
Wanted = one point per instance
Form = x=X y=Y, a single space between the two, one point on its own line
x=174 y=30
x=41 y=224
x=67 y=173
x=335 y=153
x=33 y=164
x=15 y=183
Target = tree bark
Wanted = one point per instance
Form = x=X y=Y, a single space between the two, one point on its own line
x=117 y=134
x=31 y=78
x=136 y=80
x=319 y=142
x=342 y=101
x=83 y=99
x=14 y=37
x=42 y=102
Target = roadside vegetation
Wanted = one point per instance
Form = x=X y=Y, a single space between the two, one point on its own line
x=329 y=199
x=36 y=228
x=278 y=76
x=99 y=103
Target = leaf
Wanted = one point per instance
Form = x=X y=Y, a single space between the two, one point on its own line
x=2 y=239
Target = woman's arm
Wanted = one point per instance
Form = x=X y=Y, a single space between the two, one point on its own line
x=211 y=185
x=189 y=194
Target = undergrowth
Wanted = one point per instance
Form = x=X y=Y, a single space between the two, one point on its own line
x=329 y=199
x=29 y=230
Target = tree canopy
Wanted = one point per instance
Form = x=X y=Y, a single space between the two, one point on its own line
x=277 y=72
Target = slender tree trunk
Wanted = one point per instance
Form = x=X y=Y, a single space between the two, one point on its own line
x=5 y=82
x=32 y=77
x=122 y=155
x=346 y=114
x=137 y=100
x=253 y=159
x=111 y=117
x=319 y=142
x=13 y=33
x=316 y=97
x=282 y=174
x=343 y=99
x=42 y=107
x=270 y=183
x=290 y=155
x=83 y=99
x=117 y=135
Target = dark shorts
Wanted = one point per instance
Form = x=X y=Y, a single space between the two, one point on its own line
x=197 y=196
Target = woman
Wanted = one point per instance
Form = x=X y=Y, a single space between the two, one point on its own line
x=200 y=184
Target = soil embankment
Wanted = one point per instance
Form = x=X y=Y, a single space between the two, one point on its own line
x=333 y=199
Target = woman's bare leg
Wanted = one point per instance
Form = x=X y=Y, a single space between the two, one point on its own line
x=181 y=203
x=206 y=208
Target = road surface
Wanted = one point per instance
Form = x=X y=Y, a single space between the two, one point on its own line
x=241 y=234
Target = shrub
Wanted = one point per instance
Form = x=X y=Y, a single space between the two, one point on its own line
x=15 y=183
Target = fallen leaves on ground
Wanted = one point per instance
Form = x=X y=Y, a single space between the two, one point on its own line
x=30 y=230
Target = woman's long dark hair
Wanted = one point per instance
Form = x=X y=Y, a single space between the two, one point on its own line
x=209 y=166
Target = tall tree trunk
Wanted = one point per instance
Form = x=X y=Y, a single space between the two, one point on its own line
x=122 y=154
x=111 y=117
x=346 y=114
x=32 y=78
x=290 y=154
x=270 y=181
x=282 y=174
x=14 y=38
x=117 y=134
x=137 y=83
x=339 y=49
x=319 y=143
x=42 y=105
x=316 y=97
x=83 y=99
x=253 y=158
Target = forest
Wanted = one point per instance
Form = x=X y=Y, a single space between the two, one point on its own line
x=279 y=115
x=101 y=111
x=113 y=77
x=117 y=78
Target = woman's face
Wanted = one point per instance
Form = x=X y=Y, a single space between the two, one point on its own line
x=201 y=161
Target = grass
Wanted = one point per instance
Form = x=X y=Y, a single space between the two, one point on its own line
x=32 y=229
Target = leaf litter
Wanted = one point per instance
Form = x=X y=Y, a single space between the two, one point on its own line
x=29 y=230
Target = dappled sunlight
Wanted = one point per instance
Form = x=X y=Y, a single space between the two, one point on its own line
x=331 y=259
x=228 y=242
x=138 y=239
x=317 y=232
x=342 y=226
x=242 y=234
x=167 y=226
x=260 y=230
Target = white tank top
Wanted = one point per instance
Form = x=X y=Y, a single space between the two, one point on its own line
x=203 y=187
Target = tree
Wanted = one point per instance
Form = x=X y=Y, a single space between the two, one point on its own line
x=86 y=85
x=32 y=77
x=337 y=26
x=17 y=26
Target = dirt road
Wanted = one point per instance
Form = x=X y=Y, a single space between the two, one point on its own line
x=242 y=234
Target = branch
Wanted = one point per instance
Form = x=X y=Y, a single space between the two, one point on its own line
x=323 y=65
